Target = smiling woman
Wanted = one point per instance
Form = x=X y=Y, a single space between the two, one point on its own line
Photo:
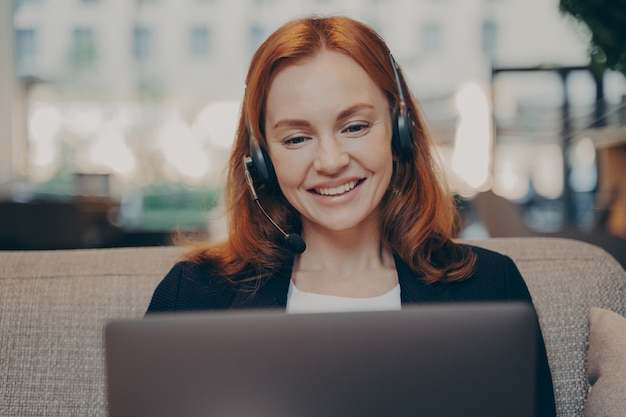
x=329 y=90
x=332 y=151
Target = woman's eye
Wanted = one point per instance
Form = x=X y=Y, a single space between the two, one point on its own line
x=356 y=128
x=295 y=140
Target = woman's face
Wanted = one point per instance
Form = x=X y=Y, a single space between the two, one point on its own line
x=329 y=132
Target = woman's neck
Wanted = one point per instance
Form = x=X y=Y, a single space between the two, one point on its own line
x=346 y=263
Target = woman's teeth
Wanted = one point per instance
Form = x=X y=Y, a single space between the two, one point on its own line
x=337 y=190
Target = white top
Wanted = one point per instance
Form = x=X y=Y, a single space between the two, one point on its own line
x=306 y=302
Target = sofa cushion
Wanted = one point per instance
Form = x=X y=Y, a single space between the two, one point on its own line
x=606 y=364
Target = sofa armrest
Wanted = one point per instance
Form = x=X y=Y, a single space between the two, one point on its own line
x=566 y=278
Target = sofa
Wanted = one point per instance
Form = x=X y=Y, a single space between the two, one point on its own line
x=54 y=305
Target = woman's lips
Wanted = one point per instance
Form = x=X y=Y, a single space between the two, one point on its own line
x=338 y=190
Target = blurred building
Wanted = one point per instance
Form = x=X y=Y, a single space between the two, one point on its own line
x=202 y=47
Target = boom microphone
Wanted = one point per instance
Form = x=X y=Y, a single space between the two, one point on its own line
x=291 y=241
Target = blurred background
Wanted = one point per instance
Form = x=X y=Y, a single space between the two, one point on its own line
x=116 y=116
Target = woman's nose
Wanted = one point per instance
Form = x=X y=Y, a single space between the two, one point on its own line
x=330 y=158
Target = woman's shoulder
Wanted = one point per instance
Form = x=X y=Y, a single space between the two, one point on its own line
x=489 y=257
x=195 y=272
x=495 y=273
x=190 y=286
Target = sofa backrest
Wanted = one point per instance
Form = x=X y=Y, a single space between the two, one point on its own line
x=54 y=304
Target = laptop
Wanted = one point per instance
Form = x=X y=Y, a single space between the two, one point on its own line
x=443 y=360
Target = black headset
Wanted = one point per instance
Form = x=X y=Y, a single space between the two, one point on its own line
x=402 y=139
x=403 y=127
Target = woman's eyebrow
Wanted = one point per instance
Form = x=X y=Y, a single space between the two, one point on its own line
x=342 y=115
x=354 y=109
x=291 y=123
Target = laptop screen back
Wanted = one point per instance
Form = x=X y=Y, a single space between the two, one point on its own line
x=436 y=360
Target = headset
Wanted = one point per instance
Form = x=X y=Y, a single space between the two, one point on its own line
x=402 y=139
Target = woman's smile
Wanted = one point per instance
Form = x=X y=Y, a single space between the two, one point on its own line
x=338 y=190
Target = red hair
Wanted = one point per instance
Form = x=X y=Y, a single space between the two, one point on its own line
x=418 y=220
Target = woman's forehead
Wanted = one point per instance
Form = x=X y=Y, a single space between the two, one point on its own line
x=326 y=78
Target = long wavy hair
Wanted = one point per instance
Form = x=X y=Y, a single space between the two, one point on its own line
x=418 y=213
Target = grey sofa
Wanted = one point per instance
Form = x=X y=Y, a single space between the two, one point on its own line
x=54 y=304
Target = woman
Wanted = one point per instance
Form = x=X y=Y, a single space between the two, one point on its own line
x=331 y=151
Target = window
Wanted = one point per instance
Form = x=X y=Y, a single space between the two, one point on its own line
x=257 y=36
x=142 y=43
x=432 y=38
x=200 y=41
x=25 y=51
x=83 y=52
x=19 y=3
x=490 y=38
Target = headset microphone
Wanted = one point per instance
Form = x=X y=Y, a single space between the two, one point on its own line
x=292 y=241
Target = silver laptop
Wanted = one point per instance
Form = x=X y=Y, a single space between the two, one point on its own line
x=435 y=360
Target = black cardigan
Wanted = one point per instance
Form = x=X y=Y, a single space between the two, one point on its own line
x=191 y=287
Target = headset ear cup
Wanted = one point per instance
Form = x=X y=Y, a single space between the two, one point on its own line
x=403 y=132
x=262 y=163
x=403 y=128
